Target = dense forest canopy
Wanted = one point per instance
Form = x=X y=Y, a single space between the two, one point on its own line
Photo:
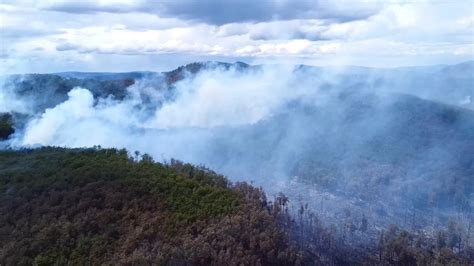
x=95 y=206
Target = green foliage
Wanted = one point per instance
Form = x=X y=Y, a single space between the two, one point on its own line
x=6 y=126
x=189 y=196
x=99 y=206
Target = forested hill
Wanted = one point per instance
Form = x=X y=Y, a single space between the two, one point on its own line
x=104 y=206
x=96 y=206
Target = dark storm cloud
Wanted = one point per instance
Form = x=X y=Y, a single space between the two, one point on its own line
x=80 y=7
x=219 y=12
x=228 y=11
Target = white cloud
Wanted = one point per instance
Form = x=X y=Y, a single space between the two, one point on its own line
x=33 y=30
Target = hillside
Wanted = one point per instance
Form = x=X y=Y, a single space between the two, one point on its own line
x=43 y=91
x=95 y=206
x=100 y=206
x=373 y=162
x=384 y=157
x=365 y=140
x=448 y=84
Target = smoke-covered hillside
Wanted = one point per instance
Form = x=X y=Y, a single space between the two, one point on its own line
x=448 y=84
x=351 y=144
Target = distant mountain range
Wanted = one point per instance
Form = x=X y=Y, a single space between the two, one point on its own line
x=452 y=84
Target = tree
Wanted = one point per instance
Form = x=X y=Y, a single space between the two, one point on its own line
x=6 y=125
x=364 y=224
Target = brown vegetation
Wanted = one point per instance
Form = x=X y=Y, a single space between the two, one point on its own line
x=99 y=206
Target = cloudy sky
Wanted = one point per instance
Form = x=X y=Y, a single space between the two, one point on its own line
x=124 y=35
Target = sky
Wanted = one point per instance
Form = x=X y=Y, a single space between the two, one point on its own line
x=128 y=35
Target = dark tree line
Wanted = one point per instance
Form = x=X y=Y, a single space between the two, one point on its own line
x=103 y=206
x=6 y=126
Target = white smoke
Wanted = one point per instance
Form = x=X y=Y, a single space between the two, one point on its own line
x=80 y=122
x=217 y=98
x=212 y=99
x=45 y=129
x=9 y=102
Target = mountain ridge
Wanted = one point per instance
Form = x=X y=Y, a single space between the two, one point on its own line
x=469 y=63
